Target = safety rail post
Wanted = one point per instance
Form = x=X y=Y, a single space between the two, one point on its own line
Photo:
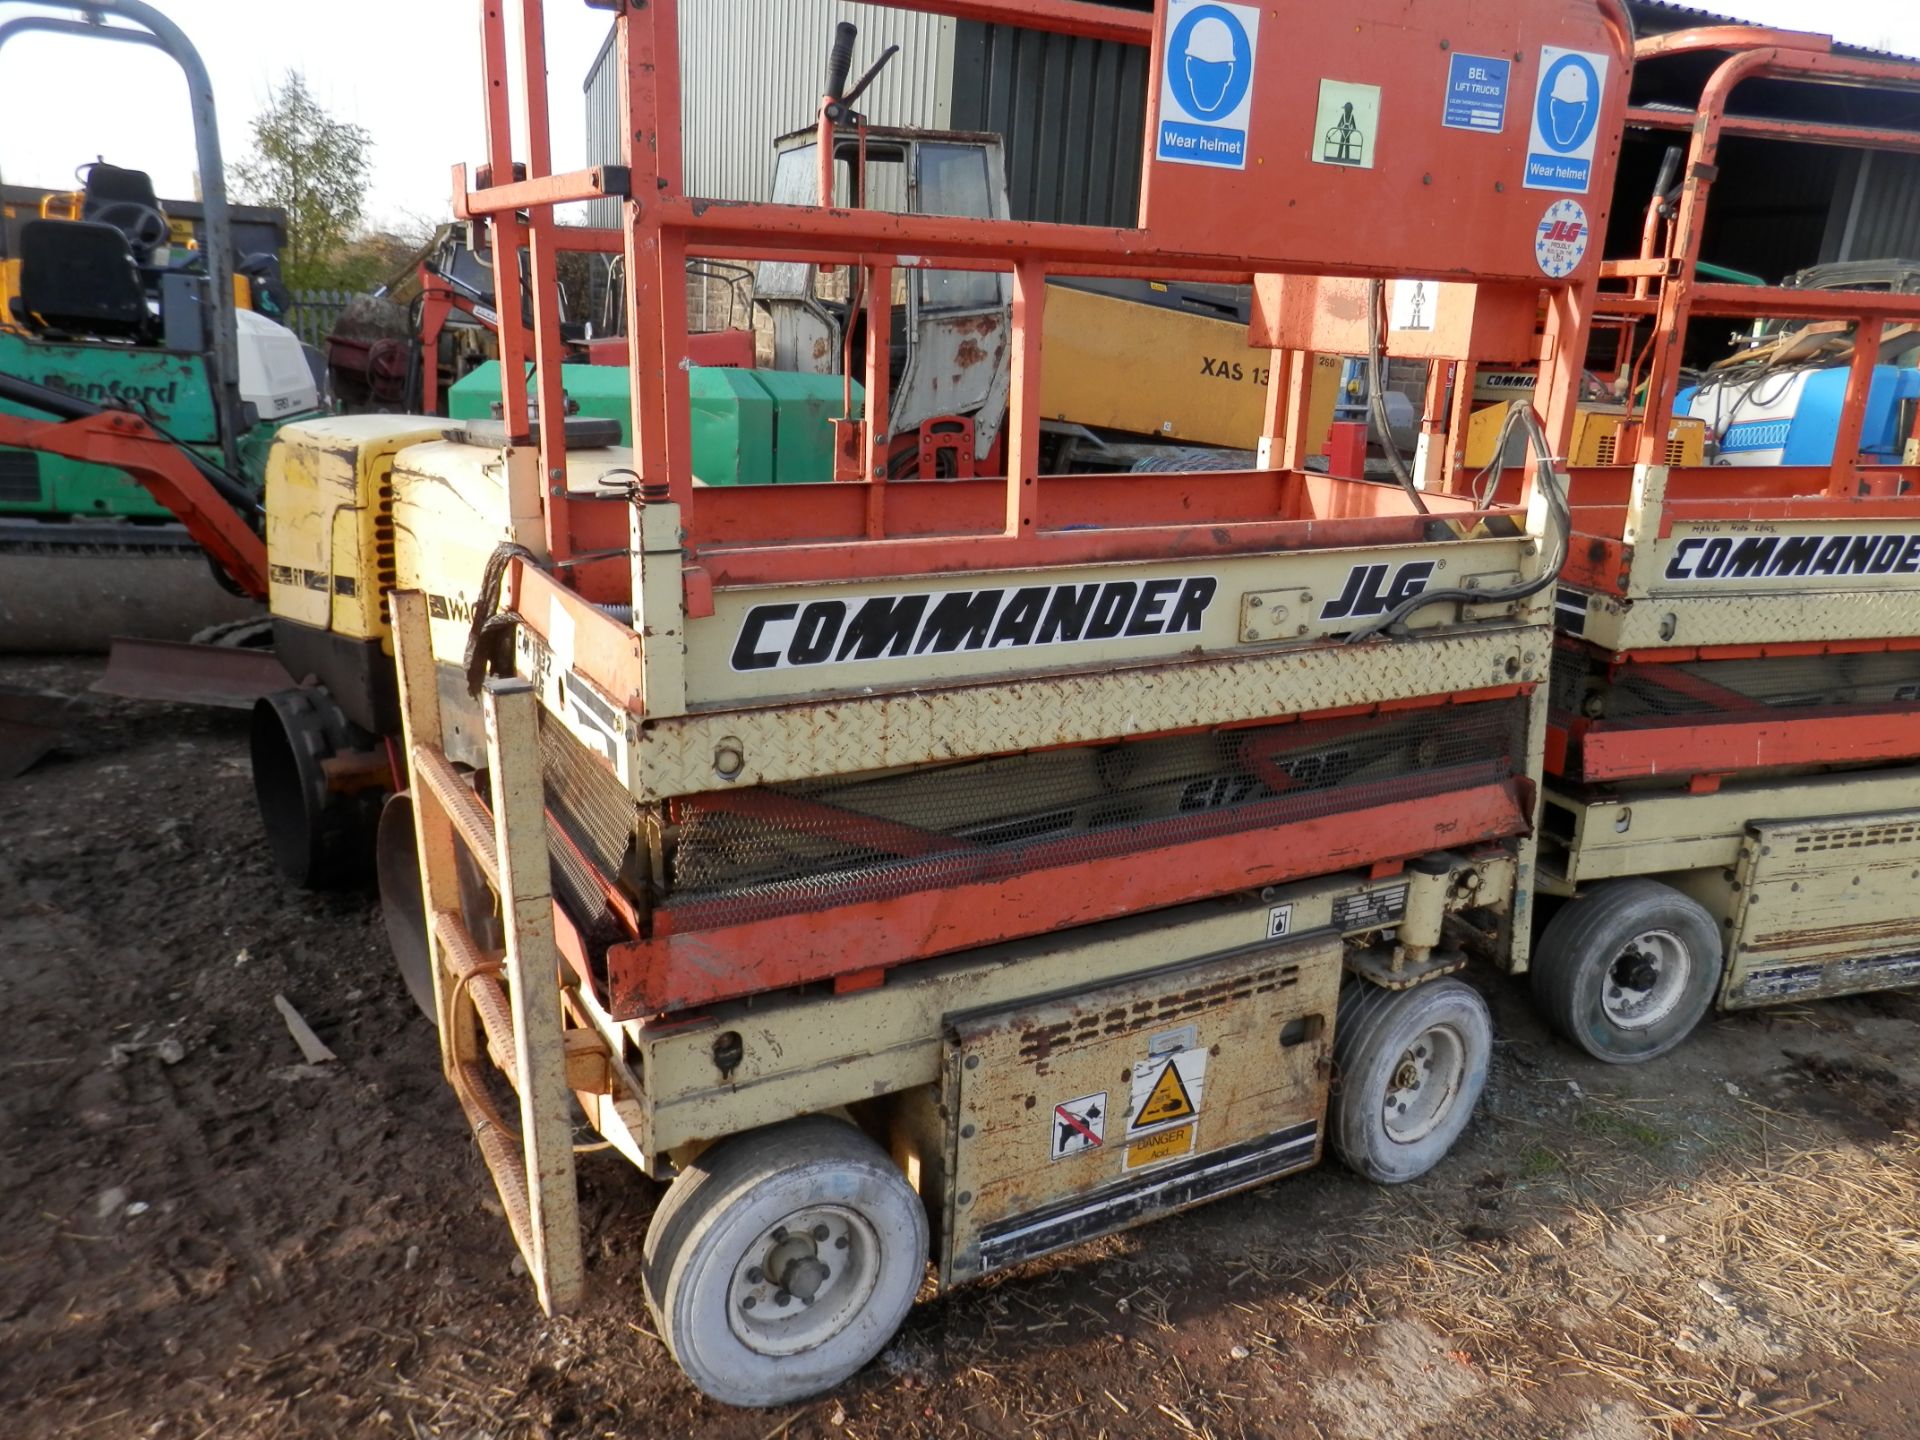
x=517 y=1025
x=532 y=973
x=1023 y=416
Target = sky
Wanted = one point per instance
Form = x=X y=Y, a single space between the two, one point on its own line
x=408 y=70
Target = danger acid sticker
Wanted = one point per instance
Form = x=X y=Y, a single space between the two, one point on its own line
x=1346 y=125
x=1079 y=1125
x=1206 y=85
x=1166 y=1090
x=1560 y=244
x=1162 y=1145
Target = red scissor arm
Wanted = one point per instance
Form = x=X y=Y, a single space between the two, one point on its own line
x=169 y=474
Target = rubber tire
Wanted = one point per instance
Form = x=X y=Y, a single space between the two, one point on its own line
x=1189 y=459
x=1372 y=1030
x=720 y=1202
x=1584 y=938
x=318 y=839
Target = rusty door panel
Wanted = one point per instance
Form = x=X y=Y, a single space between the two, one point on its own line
x=1825 y=907
x=1088 y=1114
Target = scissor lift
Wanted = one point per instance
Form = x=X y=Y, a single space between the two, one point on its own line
x=956 y=870
x=1732 y=799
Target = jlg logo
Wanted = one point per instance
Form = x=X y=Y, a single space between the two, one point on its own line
x=1368 y=592
x=1568 y=230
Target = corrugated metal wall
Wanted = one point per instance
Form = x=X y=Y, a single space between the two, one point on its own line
x=752 y=70
x=1072 y=113
x=1876 y=208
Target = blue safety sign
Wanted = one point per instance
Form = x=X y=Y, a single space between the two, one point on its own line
x=1206 y=85
x=1477 y=93
x=1564 y=126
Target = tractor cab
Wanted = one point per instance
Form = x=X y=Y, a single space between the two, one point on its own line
x=947 y=365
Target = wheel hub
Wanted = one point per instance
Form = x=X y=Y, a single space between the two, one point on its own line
x=1424 y=1083
x=803 y=1280
x=1647 y=981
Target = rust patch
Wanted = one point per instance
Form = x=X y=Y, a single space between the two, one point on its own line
x=969 y=355
x=820 y=348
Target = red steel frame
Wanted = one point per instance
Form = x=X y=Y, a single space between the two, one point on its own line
x=868 y=528
x=1665 y=289
x=664 y=224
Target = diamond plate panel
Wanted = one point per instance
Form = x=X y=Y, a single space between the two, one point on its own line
x=684 y=755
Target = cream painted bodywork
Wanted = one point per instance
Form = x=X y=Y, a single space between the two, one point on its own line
x=1661 y=609
x=800 y=1055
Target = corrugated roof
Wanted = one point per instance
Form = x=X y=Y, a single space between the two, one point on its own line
x=1662 y=16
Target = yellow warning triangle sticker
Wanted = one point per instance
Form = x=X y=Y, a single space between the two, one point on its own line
x=1168 y=1100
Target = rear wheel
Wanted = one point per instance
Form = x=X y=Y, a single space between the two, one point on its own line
x=1412 y=1064
x=320 y=826
x=1627 y=969
x=783 y=1260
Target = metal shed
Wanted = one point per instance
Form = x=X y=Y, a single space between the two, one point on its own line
x=1071 y=113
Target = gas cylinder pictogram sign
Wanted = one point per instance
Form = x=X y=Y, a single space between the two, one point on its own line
x=1565 y=124
x=1206 y=83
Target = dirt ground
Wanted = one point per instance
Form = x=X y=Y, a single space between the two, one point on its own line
x=204 y=1237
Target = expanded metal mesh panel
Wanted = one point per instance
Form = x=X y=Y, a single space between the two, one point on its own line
x=771 y=851
x=587 y=805
x=1710 y=690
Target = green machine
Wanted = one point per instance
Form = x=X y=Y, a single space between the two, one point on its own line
x=109 y=301
x=749 y=427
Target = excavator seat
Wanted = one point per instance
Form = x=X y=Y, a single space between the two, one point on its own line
x=125 y=199
x=79 y=278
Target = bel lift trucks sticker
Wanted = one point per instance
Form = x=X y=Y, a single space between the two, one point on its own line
x=1206 y=85
x=1477 y=94
x=1564 y=127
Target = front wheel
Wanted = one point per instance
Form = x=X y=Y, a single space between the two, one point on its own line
x=1627 y=969
x=1412 y=1064
x=783 y=1260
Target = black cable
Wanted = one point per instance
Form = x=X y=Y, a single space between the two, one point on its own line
x=1522 y=414
x=1377 y=391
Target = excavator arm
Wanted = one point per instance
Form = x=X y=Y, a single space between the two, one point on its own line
x=221 y=514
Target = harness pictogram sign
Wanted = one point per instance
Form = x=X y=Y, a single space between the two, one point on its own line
x=1346 y=125
x=1079 y=1125
x=1166 y=1089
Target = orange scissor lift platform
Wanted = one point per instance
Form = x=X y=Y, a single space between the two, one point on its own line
x=1735 y=707
x=822 y=800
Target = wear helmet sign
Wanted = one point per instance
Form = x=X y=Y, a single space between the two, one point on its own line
x=1565 y=128
x=1206 y=83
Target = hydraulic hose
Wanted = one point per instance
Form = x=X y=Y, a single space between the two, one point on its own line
x=1377 y=392
x=1552 y=483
